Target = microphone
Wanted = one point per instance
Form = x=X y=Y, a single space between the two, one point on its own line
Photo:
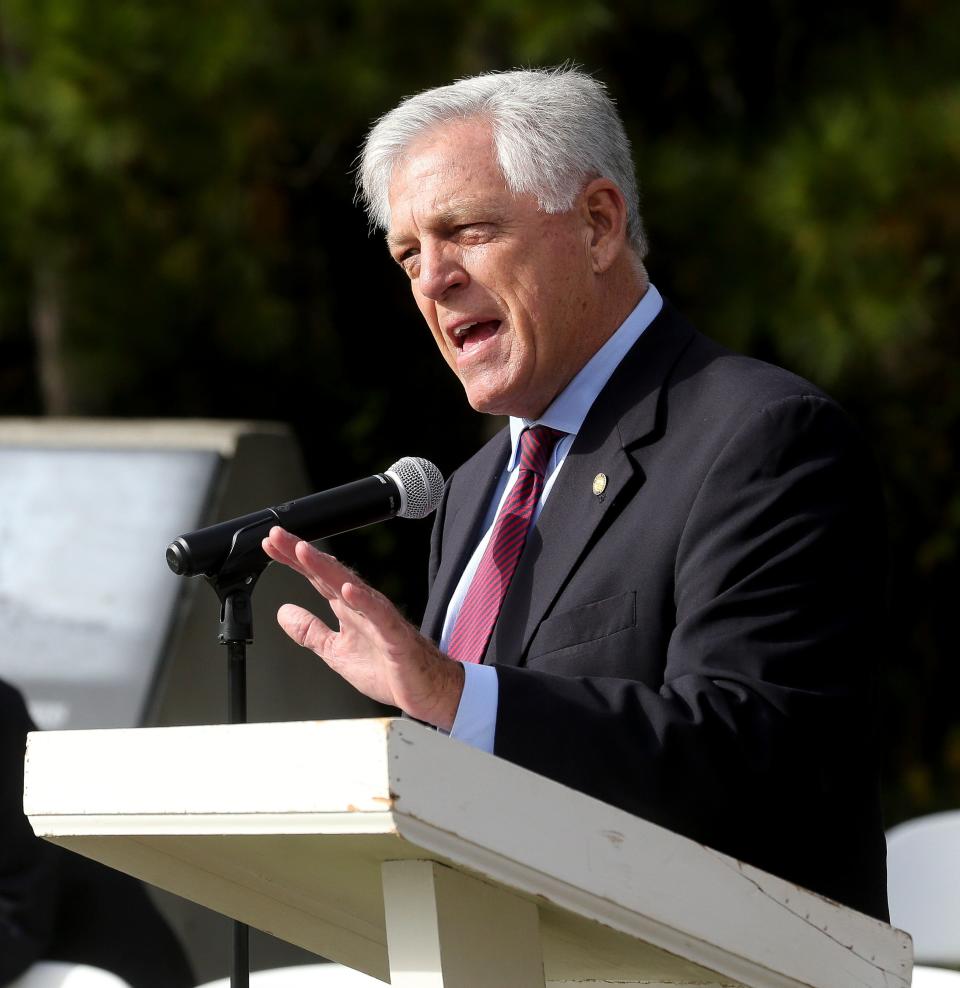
x=411 y=488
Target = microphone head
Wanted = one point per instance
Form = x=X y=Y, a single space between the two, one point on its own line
x=420 y=484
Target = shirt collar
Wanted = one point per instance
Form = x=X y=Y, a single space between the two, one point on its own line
x=568 y=410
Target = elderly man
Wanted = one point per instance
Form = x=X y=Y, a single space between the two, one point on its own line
x=660 y=584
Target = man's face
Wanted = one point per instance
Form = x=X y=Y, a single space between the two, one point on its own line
x=502 y=285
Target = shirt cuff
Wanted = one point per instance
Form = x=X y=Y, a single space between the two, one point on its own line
x=476 y=720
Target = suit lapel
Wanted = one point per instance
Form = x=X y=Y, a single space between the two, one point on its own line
x=624 y=415
x=469 y=498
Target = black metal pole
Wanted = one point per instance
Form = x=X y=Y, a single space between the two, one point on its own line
x=240 y=976
x=237 y=703
x=237 y=682
x=234 y=585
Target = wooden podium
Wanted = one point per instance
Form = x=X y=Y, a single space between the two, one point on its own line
x=420 y=861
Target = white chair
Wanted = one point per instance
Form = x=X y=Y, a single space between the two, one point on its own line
x=934 y=977
x=923 y=882
x=60 y=974
x=306 y=976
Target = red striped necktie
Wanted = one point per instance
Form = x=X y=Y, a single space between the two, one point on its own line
x=481 y=606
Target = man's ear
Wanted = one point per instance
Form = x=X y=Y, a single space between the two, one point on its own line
x=605 y=213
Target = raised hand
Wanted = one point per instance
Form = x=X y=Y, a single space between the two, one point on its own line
x=376 y=649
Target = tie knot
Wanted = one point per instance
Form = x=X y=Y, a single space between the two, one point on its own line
x=536 y=445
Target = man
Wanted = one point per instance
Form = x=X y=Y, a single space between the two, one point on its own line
x=662 y=581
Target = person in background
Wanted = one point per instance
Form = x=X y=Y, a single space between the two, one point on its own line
x=59 y=906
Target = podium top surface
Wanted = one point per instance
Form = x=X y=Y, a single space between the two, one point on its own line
x=285 y=826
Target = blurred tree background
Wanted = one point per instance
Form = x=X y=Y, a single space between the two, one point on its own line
x=177 y=238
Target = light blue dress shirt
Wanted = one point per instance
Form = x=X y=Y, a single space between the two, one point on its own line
x=476 y=719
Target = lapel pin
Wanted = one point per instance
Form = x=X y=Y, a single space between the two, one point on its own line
x=600 y=484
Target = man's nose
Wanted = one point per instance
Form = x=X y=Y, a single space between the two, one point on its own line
x=440 y=271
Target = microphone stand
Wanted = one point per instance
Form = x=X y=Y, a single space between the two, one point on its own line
x=233 y=585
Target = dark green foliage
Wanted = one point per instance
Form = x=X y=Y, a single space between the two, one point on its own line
x=175 y=201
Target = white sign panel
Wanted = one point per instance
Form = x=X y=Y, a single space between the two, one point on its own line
x=86 y=598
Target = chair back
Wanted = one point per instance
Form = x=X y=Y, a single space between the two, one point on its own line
x=306 y=976
x=923 y=881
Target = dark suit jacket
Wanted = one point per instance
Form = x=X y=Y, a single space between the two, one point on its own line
x=59 y=906
x=698 y=645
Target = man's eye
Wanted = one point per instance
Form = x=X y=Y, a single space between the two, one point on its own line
x=474 y=232
x=409 y=260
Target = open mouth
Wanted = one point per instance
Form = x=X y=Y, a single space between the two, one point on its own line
x=471 y=335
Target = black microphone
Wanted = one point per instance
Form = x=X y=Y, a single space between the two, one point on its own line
x=411 y=488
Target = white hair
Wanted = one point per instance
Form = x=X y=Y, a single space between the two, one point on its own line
x=554 y=130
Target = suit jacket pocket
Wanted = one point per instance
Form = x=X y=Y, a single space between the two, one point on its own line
x=585 y=623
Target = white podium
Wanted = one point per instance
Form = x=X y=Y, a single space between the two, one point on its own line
x=420 y=861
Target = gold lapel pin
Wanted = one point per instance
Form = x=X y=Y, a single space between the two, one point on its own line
x=599 y=484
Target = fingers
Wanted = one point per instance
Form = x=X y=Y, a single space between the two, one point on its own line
x=324 y=567
x=281 y=546
x=353 y=602
x=325 y=573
